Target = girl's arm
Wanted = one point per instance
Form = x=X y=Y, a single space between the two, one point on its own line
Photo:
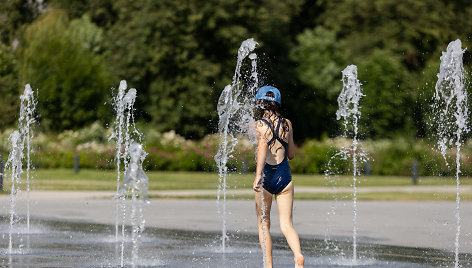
x=260 y=157
x=291 y=144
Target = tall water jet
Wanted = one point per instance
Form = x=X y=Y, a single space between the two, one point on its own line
x=25 y=123
x=350 y=113
x=19 y=140
x=235 y=112
x=450 y=103
x=14 y=165
x=124 y=132
x=135 y=184
x=117 y=134
x=123 y=128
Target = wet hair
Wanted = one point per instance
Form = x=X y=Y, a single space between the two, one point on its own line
x=266 y=109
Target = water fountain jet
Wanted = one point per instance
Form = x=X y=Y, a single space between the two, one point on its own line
x=25 y=122
x=235 y=112
x=350 y=113
x=135 y=184
x=15 y=165
x=19 y=141
x=124 y=133
x=450 y=102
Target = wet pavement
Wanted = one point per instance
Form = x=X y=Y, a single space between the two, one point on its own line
x=387 y=231
x=68 y=244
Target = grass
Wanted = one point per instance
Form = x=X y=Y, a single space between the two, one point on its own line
x=105 y=180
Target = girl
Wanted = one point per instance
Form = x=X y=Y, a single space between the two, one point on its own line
x=273 y=177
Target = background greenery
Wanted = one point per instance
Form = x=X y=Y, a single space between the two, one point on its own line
x=180 y=55
x=169 y=151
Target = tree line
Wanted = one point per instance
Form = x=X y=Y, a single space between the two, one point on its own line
x=179 y=55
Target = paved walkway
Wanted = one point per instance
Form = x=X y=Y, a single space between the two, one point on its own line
x=316 y=190
x=414 y=224
x=298 y=189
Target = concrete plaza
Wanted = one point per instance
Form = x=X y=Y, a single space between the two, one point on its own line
x=411 y=224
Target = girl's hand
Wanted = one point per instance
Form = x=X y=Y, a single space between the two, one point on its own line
x=257 y=183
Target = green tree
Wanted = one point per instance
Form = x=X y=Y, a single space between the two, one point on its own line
x=58 y=58
x=181 y=54
x=410 y=28
x=154 y=46
x=388 y=101
x=15 y=15
x=391 y=42
x=320 y=58
x=9 y=88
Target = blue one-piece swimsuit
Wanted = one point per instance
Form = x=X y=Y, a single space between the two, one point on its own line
x=276 y=177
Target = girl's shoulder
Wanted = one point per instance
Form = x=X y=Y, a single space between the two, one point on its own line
x=289 y=123
x=263 y=123
x=260 y=125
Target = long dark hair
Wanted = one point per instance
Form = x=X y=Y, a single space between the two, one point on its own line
x=266 y=109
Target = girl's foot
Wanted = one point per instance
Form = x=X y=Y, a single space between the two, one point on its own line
x=299 y=262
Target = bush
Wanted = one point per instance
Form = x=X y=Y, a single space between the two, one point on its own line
x=169 y=151
x=396 y=156
x=383 y=157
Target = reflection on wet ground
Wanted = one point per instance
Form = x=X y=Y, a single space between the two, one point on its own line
x=67 y=244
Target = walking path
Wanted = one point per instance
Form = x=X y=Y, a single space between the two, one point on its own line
x=413 y=224
x=316 y=190
x=298 y=190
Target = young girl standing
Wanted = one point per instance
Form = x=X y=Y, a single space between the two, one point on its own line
x=273 y=176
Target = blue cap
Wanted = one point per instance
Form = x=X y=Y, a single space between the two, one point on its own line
x=261 y=94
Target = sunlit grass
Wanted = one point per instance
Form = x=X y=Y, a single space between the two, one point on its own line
x=89 y=179
x=105 y=180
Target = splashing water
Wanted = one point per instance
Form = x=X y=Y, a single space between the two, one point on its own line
x=235 y=111
x=117 y=134
x=19 y=140
x=124 y=132
x=25 y=123
x=349 y=113
x=15 y=165
x=450 y=102
x=135 y=183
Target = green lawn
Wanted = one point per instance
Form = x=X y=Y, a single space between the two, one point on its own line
x=105 y=180
x=89 y=180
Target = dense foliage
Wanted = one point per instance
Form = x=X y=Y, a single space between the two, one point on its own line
x=180 y=55
x=58 y=58
x=172 y=152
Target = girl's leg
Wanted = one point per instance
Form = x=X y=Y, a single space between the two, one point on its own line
x=285 y=205
x=264 y=227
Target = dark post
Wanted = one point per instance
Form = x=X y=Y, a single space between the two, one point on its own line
x=1 y=173
x=76 y=163
x=414 y=171
x=367 y=168
x=245 y=165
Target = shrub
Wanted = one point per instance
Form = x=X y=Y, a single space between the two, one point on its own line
x=169 y=151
